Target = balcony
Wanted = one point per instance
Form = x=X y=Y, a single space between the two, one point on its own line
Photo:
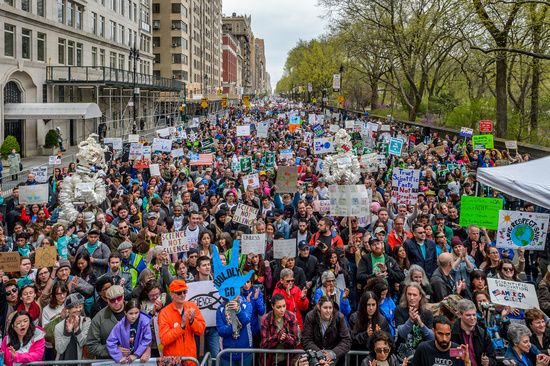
x=101 y=75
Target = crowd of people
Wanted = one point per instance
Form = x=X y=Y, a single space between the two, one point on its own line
x=406 y=283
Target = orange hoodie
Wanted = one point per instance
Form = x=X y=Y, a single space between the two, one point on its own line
x=175 y=340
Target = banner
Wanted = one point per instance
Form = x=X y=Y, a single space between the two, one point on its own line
x=517 y=229
x=253 y=243
x=177 y=153
x=116 y=142
x=284 y=248
x=133 y=138
x=162 y=145
x=207 y=298
x=480 y=211
x=245 y=215
x=482 y=142
x=323 y=146
x=251 y=180
x=395 y=146
x=336 y=82
x=466 y=132
x=287 y=176
x=519 y=295
x=201 y=159
x=405 y=186
x=37 y=193
x=40 y=173
x=175 y=242
x=243 y=131
x=349 y=200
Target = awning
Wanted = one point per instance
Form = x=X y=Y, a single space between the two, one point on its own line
x=51 y=111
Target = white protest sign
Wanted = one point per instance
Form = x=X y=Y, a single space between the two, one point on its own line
x=349 y=200
x=136 y=151
x=133 y=138
x=284 y=248
x=54 y=160
x=405 y=186
x=349 y=124
x=164 y=132
x=176 y=153
x=334 y=128
x=245 y=215
x=370 y=162
x=40 y=173
x=207 y=298
x=146 y=152
x=385 y=128
x=175 y=242
x=511 y=144
x=115 y=141
x=163 y=145
x=253 y=243
x=515 y=294
x=37 y=193
x=154 y=170
x=321 y=206
x=526 y=230
x=83 y=189
x=243 y=130
x=251 y=180
x=262 y=130
x=371 y=126
x=323 y=146
x=311 y=119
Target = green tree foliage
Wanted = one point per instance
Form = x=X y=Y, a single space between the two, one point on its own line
x=10 y=143
x=51 y=139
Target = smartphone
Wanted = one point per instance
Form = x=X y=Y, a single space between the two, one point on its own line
x=456 y=352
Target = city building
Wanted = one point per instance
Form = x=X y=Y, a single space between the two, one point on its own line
x=75 y=51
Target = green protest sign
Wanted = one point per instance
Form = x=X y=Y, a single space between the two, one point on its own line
x=269 y=159
x=246 y=164
x=483 y=142
x=480 y=211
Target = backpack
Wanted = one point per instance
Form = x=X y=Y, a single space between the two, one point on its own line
x=50 y=329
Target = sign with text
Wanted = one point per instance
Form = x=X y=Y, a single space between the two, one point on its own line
x=511 y=144
x=177 y=153
x=262 y=130
x=251 y=180
x=485 y=126
x=133 y=138
x=40 y=173
x=480 y=211
x=466 y=132
x=246 y=164
x=323 y=146
x=525 y=230
x=9 y=261
x=45 y=257
x=243 y=131
x=482 y=142
x=349 y=200
x=175 y=242
x=207 y=298
x=116 y=142
x=136 y=151
x=162 y=145
x=146 y=151
x=284 y=248
x=253 y=243
x=287 y=176
x=395 y=146
x=245 y=214
x=54 y=160
x=37 y=193
x=369 y=162
x=405 y=186
x=154 y=170
x=515 y=294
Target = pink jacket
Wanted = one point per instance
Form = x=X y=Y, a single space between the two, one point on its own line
x=30 y=352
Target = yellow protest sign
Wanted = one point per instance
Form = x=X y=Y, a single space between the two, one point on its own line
x=341 y=100
x=246 y=100
x=204 y=103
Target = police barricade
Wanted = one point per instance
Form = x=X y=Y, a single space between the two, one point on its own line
x=355 y=358
x=255 y=356
x=187 y=361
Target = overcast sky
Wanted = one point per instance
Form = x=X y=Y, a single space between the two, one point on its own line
x=281 y=23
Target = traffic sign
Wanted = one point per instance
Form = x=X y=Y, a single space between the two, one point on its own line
x=485 y=126
x=204 y=103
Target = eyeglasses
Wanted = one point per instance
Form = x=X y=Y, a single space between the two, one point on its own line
x=332 y=281
x=421 y=232
x=122 y=227
x=440 y=236
x=193 y=256
x=116 y=299
x=507 y=269
x=382 y=350
x=180 y=293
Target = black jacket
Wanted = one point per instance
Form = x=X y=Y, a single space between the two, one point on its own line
x=310 y=265
x=415 y=255
x=365 y=270
x=482 y=343
x=442 y=286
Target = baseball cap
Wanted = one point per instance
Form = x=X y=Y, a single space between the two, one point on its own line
x=302 y=245
x=379 y=230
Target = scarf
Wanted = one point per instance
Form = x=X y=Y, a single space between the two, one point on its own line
x=91 y=247
x=34 y=310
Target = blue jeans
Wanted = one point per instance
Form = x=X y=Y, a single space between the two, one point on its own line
x=211 y=341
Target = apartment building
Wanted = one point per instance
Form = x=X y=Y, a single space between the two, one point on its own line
x=76 y=51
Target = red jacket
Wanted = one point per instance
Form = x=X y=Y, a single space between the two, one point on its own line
x=294 y=303
x=394 y=239
x=26 y=218
x=336 y=240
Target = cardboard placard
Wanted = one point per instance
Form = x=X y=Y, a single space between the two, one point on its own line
x=45 y=257
x=177 y=153
x=287 y=176
x=115 y=141
x=511 y=144
x=154 y=170
x=9 y=261
x=253 y=243
x=245 y=215
x=37 y=193
x=323 y=146
x=40 y=173
x=482 y=142
x=395 y=147
x=262 y=130
x=133 y=138
x=480 y=211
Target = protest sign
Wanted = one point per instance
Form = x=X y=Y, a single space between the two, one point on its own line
x=40 y=173
x=485 y=126
x=45 y=256
x=525 y=230
x=323 y=146
x=141 y=164
x=287 y=176
x=201 y=159
x=164 y=132
x=269 y=159
x=133 y=138
x=466 y=132
x=482 y=142
x=175 y=242
x=515 y=294
x=349 y=124
x=177 y=153
x=116 y=142
x=243 y=130
x=294 y=120
x=154 y=170
x=284 y=248
x=245 y=215
x=318 y=130
x=54 y=160
x=319 y=166
x=251 y=180
x=405 y=186
x=439 y=150
x=286 y=154
x=369 y=162
x=373 y=127
x=37 y=193
x=253 y=243
x=207 y=298
x=511 y=144
x=162 y=145
x=146 y=152
x=480 y=211
x=349 y=200
x=262 y=131
x=334 y=128
x=395 y=146
x=312 y=118
x=135 y=152
x=385 y=128
x=9 y=261
x=246 y=164
x=228 y=279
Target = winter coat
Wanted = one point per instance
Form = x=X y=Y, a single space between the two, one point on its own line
x=481 y=341
x=442 y=286
x=100 y=329
x=120 y=336
x=343 y=304
x=270 y=335
x=62 y=338
x=366 y=272
x=101 y=257
x=415 y=255
x=178 y=341
x=225 y=330
x=30 y=352
x=258 y=308
x=543 y=292
x=294 y=303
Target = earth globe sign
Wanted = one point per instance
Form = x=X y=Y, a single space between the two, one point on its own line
x=327 y=145
x=522 y=235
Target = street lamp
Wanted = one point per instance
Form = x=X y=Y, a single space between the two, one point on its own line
x=341 y=90
x=324 y=99
x=134 y=55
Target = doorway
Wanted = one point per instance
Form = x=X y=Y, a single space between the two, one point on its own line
x=12 y=94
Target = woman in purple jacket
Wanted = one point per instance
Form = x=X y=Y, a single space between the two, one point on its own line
x=130 y=339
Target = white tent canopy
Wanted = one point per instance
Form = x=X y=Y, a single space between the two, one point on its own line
x=528 y=181
x=51 y=111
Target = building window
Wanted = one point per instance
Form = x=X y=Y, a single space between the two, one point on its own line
x=61 y=11
x=113 y=4
x=79 y=51
x=40 y=7
x=9 y=2
x=94 y=23
x=102 y=26
x=156 y=24
x=156 y=41
x=26 y=5
x=9 y=40
x=70 y=53
x=176 y=8
x=71 y=14
x=135 y=13
x=176 y=58
x=157 y=58
x=121 y=61
x=102 y=57
x=122 y=34
x=112 y=60
x=122 y=9
x=113 y=31
x=156 y=8
x=94 y=56
x=26 y=44
x=41 y=46
x=78 y=18
x=61 y=51
x=130 y=9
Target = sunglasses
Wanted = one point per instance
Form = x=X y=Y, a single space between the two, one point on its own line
x=382 y=350
x=180 y=293
x=289 y=281
x=507 y=269
x=116 y=299
x=13 y=290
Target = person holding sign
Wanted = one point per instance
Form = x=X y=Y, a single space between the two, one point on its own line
x=233 y=325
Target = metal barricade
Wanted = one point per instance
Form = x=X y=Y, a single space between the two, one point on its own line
x=355 y=358
x=255 y=356
x=107 y=362
x=206 y=360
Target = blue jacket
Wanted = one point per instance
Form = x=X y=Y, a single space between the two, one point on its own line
x=531 y=357
x=345 y=307
x=429 y=263
x=120 y=336
x=387 y=308
x=258 y=309
x=225 y=330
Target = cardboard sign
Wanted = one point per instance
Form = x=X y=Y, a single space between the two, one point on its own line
x=323 y=146
x=262 y=130
x=349 y=124
x=162 y=145
x=154 y=170
x=525 y=230
x=515 y=294
x=395 y=146
x=485 y=126
x=349 y=200
x=133 y=138
x=480 y=211
x=243 y=130
x=284 y=248
x=37 y=193
x=482 y=142
x=287 y=176
x=175 y=242
x=45 y=257
x=245 y=215
x=439 y=150
x=253 y=243
x=40 y=173
x=466 y=132
x=207 y=298
x=54 y=160
x=135 y=152
x=334 y=128
x=369 y=163
x=251 y=180
x=405 y=186
x=511 y=144
x=115 y=141
x=9 y=261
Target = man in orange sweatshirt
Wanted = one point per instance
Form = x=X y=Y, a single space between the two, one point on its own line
x=179 y=323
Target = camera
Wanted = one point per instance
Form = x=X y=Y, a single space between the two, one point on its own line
x=313 y=357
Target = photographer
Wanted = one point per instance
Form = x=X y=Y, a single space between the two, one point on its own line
x=326 y=330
